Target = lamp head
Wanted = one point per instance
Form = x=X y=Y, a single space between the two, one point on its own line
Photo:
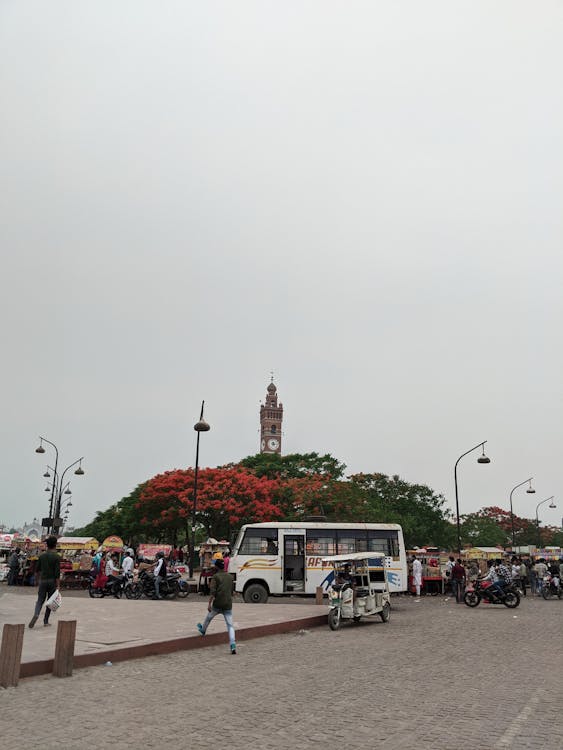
x=40 y=449
x=531 y=491
x=68 y=491
x=483 y=459
x=80 y=471
x=46 y=475
x=201 y=426
x=552 y=505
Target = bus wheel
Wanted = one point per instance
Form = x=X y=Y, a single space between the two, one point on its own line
x=255 y=594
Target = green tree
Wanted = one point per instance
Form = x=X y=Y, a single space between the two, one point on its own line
x=294 y=465
x=480 y=530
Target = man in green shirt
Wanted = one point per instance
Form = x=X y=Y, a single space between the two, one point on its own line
x=49 y=572
x=220 y=602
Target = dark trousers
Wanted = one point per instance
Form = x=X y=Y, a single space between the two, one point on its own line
x=46 y=588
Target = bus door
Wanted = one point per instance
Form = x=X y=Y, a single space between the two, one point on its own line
x=293 y=562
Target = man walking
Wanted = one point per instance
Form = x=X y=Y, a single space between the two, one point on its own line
x=458 y=580
x=49 y=572
x=220 y=602
x=14 y=567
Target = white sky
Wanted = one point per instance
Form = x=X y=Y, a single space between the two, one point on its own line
x=364 y=196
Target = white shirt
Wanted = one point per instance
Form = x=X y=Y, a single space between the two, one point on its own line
x=127 y=564
x=158 y=567
x=110 y=567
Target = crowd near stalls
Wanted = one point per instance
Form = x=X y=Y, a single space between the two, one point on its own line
x=18 y=558
x=210 y=551
x=526 y=565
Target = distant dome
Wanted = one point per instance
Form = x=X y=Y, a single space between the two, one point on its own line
x=271 y=388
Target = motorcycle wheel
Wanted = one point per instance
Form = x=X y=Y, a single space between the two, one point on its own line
x=511 y=600
x=385 y=613
x=471 y=598
x=184 y=591
x=545 y=592
x=334 y=619
x=129 y=592
x=173 y=589
x=94 y=592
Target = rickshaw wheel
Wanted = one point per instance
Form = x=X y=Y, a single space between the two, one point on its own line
x=334 y=619
x=357 y=618
x=385 y=613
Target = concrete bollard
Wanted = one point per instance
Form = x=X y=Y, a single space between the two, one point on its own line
x=319 y=595
x=11 y=655
x=64 y=648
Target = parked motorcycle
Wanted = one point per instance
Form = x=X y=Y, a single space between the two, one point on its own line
x=110 y=588
x=551 y=587
x=169 y=587
x=482 y=591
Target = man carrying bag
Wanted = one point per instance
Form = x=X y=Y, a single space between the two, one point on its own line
x=49 y=572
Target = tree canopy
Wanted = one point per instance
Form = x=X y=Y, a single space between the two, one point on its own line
x=268 y=487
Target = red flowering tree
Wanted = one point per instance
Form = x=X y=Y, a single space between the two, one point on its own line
x=226 y=499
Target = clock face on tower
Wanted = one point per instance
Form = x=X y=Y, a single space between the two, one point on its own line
x=273 y=444
x=263 y=444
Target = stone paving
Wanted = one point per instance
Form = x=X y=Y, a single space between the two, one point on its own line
x=437 y=676
x=108 y=623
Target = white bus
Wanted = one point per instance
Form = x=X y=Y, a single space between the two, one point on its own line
x=282 y=558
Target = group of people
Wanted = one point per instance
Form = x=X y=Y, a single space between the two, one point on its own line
x=21 y=568
x=522 y=572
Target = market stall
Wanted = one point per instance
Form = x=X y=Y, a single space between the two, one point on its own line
x=76 y=560
x=432 y=580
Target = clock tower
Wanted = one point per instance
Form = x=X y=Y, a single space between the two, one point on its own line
x=271 y=416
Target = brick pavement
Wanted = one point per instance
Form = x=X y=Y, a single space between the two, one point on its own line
x=437 y=676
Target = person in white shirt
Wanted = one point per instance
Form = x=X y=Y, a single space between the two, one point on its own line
x=417 y=575
x=159 y=573
x=127 y=563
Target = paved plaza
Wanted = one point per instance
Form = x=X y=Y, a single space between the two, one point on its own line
x=437 y=676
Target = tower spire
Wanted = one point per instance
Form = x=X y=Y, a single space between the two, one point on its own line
x=271 y=417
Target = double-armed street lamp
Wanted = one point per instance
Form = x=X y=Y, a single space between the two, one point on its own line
x=199 y=427
x=551 y=505
x=54 y=522
x=483 y=459
x=530 y=491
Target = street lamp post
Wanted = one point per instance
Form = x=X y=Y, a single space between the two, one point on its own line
x=530 y=491
x=201 y=426
x=58 y=487
x=481 y=460
x=551 y=505
x=41 y=449
x=79 y=472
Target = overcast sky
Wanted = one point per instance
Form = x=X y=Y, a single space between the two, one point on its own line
x=365 y=197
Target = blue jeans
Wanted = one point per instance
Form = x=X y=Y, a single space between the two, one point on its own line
x=157 y=580
x=228 y=615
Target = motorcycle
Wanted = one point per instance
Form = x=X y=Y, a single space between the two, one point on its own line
x=169 y=588
x=482 y=591
x=110 y=588
x=551 y=587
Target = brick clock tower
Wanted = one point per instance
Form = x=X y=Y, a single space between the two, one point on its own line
x=271 y=416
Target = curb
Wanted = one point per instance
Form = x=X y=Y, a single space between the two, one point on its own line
x=156 y=648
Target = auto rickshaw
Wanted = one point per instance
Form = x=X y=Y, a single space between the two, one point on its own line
x=359 y=588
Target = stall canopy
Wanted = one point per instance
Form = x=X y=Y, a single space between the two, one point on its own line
x=78 y=542
x=113 y=542
x=149 y=550
x=482 y=553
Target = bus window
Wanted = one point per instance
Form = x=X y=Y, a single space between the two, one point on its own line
x=259 y=542
x=321 y=542
x=384 y=542
x=352 y=541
